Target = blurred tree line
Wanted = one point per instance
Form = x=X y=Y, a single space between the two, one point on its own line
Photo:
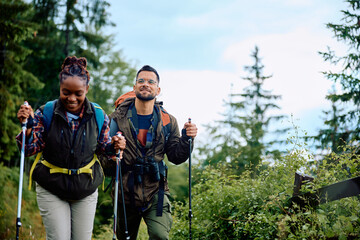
x=35 y=39
x=342 y=120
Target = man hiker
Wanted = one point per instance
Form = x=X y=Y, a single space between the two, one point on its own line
x=150 y=133
x=67 y=134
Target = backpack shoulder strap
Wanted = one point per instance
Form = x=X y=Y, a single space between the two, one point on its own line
x=166 y=123
x=99 y=115
x=113 y=128
x=48 y=113
x=165 y=116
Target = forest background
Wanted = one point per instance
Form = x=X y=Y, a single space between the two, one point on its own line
x=243 y=178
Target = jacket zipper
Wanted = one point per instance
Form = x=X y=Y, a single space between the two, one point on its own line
x=83 y=144
x=142 y=184
x=61 y=138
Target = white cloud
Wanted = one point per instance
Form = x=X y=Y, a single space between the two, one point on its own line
x=215 y=18
x=295 y=2
x=294 y=61
x=252 y=15
x=195 y=94
x=291 y=58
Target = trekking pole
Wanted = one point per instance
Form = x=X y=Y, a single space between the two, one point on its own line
x=190 y=210
x=18 y=221
x=118 y=172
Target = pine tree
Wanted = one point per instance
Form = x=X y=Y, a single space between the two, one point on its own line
x=111 y=76
x=47 y=55
x=244 y=142
x=14 y=79
x=79 y=32
x=344 y=125
x=335 y=134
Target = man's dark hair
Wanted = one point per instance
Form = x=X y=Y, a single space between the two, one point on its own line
x=149 y=69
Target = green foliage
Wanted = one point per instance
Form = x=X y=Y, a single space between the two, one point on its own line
x=342 y=121
x=111 y=76
x=32 y=227
x=241 y=138
x=104 y=209
x=79 y=32
x=247 y=207
x=336 y=133
x=15 y=79
x=103 y=223
x=106 y=232
x=178 y=181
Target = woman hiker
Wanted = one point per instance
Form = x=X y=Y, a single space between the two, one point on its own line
x=69 y=132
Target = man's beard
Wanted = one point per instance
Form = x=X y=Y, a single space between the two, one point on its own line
x=145 y=98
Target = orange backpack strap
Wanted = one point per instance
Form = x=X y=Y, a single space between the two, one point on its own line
x=166 y=128
x=165 y=116
x=123 y=97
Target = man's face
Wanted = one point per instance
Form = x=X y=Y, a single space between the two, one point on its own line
x=147 y=86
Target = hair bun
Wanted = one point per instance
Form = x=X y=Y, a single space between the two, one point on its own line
x=73 y=60
x=82 y=62
x=73 y=66
x=68 y=61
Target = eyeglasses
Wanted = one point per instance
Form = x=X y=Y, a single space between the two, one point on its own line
x=142 y=81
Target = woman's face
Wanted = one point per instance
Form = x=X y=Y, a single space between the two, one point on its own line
x=72 y=93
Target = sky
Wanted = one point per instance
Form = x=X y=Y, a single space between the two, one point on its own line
x=200 y=48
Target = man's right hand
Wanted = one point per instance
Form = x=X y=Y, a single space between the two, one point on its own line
x=119 y=143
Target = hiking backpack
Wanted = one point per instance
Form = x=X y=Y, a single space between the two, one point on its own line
x=166 y=124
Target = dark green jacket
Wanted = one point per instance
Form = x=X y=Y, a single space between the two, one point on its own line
x=176 y=149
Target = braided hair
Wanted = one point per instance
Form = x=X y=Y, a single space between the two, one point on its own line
x=73 y=66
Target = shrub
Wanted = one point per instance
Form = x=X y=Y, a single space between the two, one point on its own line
x=32 y=227
x=257 y=207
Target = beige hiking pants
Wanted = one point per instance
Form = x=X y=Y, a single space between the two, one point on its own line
x=66 y=220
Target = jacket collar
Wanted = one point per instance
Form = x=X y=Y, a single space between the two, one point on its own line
x=60 y=109
x=124 y=106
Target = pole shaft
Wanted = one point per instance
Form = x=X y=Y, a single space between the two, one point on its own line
x=116 y=196
x=21 y=176
x=117 y=179
x=190 y=209
x=123 y=200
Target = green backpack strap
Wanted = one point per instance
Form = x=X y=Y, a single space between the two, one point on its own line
x=99 y=115
x=48 y=113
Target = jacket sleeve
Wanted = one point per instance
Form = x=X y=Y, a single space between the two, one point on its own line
x=177 y=147
x=35 y=142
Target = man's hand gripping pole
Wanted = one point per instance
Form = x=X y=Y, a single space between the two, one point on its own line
x=118 y=176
